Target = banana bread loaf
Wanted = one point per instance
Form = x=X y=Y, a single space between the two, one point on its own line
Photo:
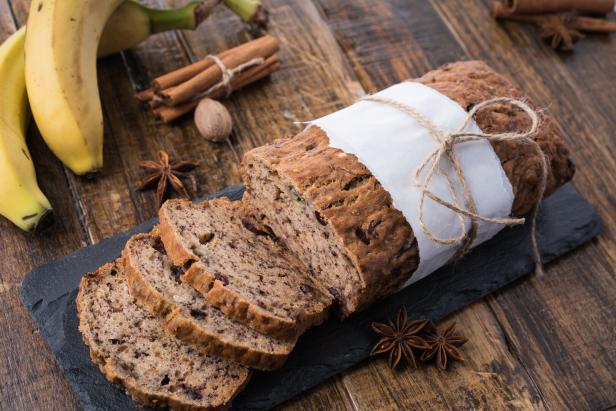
x=155 y=282
x=133 y=352
x=328 y=208
x=240 y=269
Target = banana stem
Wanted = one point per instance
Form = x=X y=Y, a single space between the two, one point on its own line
x=191 y=15
x=187 y=17
x=251 y=11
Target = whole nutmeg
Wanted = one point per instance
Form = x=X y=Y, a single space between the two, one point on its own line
x=213 y=120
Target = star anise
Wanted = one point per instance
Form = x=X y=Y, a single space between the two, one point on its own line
x=443 y=345
x=166 y=176
x=560 y=31
x=399 y=338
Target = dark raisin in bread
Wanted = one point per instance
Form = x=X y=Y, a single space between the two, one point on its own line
x=240 y=268
x=133 y=352
x=155 y=282
x=327 y=207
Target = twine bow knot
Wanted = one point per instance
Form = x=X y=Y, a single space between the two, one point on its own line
x=445 y=150
x=228 y=74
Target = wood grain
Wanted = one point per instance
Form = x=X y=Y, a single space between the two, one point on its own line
x=29 y=376
x=543 y=343
x=110 y=204
x=525 y=312
x=383 y=63
x=490 y=378
x=559 y=324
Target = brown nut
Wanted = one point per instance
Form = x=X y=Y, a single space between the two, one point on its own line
x=213 y=120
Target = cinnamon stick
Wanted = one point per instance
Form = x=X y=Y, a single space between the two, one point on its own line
x=581 y=23
x=501 y=8
x=186 y=91
x=592 y=24
x=170 y=113
x=181 y=75
x=167 y=114
x=186 y=73
x=145 y=95
x=263 y=72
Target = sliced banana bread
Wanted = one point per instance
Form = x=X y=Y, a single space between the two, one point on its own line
x=240 y=268
x=155 y=282
x=332 y=212
x=133 y=352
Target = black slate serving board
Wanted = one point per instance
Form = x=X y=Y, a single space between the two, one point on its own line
x=566 y=221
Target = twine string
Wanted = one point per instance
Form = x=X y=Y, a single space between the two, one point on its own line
x=227 y=77
x=228 y=74
x=431 y=166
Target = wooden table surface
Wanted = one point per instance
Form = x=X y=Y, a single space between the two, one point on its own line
x=545 y=343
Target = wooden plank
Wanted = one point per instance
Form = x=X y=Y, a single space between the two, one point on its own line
x=105 y=203
x=381 y=58
x=305 y=87
x=29 y=376
x=397 y=40
x=490 y=378
x=331 y=396
x=412 y=31
x=267 y=110
x=572 y=87
x=110 y=204
x=559 y=325
x=542 y=303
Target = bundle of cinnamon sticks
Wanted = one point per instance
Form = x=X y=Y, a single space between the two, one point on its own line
x=502 y=8
x=177 y=93
x=561 y=22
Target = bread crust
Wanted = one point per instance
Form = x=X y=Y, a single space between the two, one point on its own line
x=146 y=399
x=230 y=302
x=319 y=174
x=185 y=329
x=387 y=257
x=471 y=82
x=235 y=307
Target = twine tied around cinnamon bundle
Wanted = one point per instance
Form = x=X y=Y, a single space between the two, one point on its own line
x=445 y=150
x=226 y=80
x=228 y=74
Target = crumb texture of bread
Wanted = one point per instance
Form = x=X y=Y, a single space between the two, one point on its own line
x=327 y=207
x=239 y=267
x=134 y=353
x=154 y=281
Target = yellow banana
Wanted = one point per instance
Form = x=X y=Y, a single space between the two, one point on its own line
x=21 y=200
x=61 y=46
x=132 y=23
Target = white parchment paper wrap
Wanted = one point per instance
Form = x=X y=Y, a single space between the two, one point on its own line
x=391 y=145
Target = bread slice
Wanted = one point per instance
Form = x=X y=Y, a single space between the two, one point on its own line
x=240 y=268
x=133 y=352
x=155 y=282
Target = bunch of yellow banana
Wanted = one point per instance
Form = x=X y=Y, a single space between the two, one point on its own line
x=61 y=45
x=62 y=41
